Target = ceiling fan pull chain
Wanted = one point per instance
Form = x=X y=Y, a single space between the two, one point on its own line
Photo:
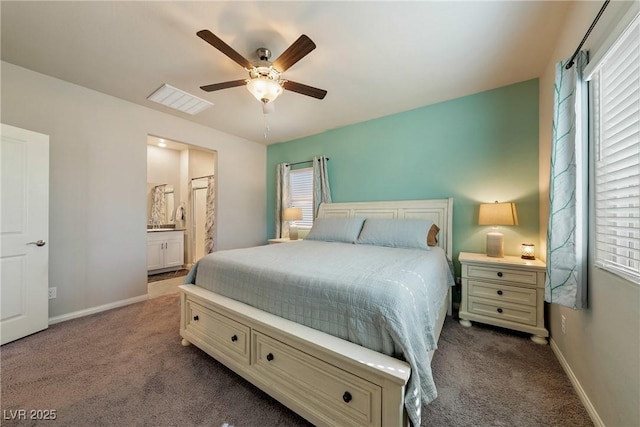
x=266 y=124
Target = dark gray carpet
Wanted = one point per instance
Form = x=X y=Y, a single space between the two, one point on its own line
x=126 y=367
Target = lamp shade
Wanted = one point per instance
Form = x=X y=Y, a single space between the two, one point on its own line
x=292 y=214
x=498 y=214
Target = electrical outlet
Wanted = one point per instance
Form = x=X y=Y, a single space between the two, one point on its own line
x=563 y=323
x=52 y=293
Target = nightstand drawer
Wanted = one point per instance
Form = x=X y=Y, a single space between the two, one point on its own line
x=502 y=274
x=511 y=312
x=501 y=293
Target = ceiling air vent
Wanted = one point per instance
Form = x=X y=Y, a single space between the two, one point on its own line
x=178 y=99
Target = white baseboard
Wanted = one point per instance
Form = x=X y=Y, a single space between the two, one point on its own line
x=98 y=309
x=591 y=410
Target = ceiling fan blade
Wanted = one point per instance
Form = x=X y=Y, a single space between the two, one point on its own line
x=216 y=42
x=223 y=85
x=294 y=53
x=305 y=90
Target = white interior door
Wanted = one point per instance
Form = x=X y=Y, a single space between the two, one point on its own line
x=24 y=228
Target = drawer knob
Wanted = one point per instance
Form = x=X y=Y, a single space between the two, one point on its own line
x=234 y=338
x=499 y=310
x=347 y=397
x=269 y=357
x=196 y=318
x=499 y=292
x=499 y=273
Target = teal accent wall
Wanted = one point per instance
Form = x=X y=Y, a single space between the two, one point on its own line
x=476 y=149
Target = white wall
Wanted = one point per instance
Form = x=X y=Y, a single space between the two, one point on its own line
x=602 y=343
x=201 y=163
x=98 y=156
x=163 y=166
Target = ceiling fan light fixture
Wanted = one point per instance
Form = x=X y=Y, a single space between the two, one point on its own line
x=264 y=89
x=264 y=83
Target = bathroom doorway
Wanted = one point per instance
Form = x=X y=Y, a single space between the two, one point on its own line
x=185 y=169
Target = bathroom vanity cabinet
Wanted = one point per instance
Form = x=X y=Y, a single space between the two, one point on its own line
x=165 y=250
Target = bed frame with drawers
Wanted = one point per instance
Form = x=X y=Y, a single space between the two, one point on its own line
x=327 y=380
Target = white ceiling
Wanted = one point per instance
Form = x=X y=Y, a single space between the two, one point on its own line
x=373 y=58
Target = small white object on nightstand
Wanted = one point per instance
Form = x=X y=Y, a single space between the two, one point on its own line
x=506 y=292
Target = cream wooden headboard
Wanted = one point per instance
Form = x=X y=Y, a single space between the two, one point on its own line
x=440 y=211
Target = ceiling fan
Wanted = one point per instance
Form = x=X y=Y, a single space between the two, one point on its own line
x=265 y=80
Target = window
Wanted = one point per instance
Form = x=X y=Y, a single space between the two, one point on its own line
x=301 y=189
x=615 y=120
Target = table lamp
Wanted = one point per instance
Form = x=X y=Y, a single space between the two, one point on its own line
x=293 y=214
x=496 y=214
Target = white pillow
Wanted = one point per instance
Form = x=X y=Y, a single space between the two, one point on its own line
x=336 y=229
x=396 y=233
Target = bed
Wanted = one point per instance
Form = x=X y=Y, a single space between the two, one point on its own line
x=346 y=345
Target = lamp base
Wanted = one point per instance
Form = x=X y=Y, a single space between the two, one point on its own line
x=293 y=232
x=495 y=244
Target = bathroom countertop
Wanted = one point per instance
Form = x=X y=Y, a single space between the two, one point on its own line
x=157 y=230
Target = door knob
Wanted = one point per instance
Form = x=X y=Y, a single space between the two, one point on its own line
x=38 y=243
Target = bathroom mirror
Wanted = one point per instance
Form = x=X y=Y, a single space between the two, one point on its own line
x=160 y=204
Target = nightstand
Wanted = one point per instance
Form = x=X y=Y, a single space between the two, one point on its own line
x=506 y=292
x=283 y=240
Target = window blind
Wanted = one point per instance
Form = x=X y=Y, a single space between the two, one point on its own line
x=616 y=129
x=301 y=189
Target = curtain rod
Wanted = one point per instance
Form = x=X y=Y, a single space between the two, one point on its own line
x=299 y=163
x=593 y=24
x=200 y=177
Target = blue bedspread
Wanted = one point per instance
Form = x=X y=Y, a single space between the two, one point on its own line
x=385 y=299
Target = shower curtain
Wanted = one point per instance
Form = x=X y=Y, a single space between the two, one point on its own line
x=209 y=228
x=157 y=205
